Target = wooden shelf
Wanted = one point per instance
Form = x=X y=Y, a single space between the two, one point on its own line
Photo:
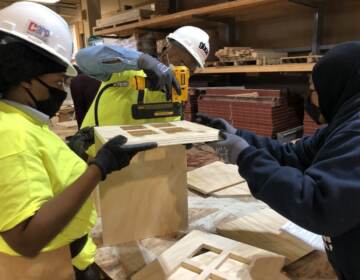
x=296 y=67
x=245 y=9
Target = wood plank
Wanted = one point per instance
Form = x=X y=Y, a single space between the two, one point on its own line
x=146 y=199
x=201 y=255
x=179 y=132
x=214 y=176
x=295 y=67
x=262 y=229
x=237 y=190
x=185 y=16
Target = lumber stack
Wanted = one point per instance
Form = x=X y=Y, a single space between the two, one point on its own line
x=246 y=55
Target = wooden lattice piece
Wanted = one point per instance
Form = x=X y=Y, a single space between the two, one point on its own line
x=202 y=256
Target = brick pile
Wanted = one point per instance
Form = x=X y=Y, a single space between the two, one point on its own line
x=309 y=125
x=265 y=112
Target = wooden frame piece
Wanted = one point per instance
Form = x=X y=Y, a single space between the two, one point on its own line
x=202 y=256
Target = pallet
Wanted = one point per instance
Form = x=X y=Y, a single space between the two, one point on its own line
x=249 y=61
x=123 y=18
x=300 y=59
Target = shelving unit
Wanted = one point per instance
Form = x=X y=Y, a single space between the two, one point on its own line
x=296 y=67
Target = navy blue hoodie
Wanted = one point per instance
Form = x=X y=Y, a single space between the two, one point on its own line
x=316 y=181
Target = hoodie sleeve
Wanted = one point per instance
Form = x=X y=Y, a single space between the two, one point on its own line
x=103 y=60
x=323 y=198
x=298 y=155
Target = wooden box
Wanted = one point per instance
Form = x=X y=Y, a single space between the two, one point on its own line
x=149 y=197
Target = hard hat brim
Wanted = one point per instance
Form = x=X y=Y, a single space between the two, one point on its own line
x=70 y=69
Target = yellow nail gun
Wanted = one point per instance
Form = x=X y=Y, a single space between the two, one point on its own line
x=174 y=104
x=171 y=108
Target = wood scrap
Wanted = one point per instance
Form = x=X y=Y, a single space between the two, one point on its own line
x=200 y=255
x=246 y=55
x=262 y=229
x=213 y=177
x=300 y=59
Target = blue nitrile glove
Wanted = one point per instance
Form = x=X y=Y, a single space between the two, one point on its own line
x=160 y=76
x=217 y=123
x=230 y=147
x=81 y=141
x=115 y=156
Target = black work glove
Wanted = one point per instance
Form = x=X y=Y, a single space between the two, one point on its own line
x=81 y=141
x=114 y=155
x=217 y=123
x=159 y=75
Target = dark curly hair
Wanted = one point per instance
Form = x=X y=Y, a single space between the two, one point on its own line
x=20 y=62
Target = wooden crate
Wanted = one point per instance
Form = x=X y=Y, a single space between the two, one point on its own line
x=148 y=198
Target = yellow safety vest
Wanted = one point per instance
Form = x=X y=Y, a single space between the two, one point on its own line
x=114 y=107
x=36 y=166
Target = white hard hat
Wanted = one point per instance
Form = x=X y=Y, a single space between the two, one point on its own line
x=41 y=27
x=194 y=40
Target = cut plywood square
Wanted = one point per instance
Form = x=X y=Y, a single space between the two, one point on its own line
x=174 y=133
x=213 y=177
x=148 y=198
x=202 y=256
x=241 y=189
x=263 y=230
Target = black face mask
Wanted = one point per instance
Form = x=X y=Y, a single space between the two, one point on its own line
x=312 y=110
x=51 y=105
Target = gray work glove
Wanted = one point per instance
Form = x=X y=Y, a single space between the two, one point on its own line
x=230 y=147
x=217 y=123
x=160 y=76
x=114 y=155
x=81 y=141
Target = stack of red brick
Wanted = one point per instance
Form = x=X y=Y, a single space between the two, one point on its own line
x=265 y=112
x=309 y=125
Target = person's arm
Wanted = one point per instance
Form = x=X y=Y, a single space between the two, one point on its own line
x=323 y=198
x=33 y=234
x=29 y=237
x=299 y=154
x=103 y=60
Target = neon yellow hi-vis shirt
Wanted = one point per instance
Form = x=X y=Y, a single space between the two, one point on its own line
x=35 y=166
x=114 y=107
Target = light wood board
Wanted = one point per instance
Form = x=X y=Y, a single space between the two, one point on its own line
x=164 y=134
x=241 y=189
x=262 y=229
x=146 y=199
x=213 y=177
x=201 y=255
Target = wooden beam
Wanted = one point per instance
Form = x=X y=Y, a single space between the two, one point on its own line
x=91 y=11
x=186 y=16
x=296 y=67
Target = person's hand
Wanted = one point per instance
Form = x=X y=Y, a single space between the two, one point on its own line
x=217 y=123
x=114 y=155
x=159 y=75
x=81 y=141
x=230 y=147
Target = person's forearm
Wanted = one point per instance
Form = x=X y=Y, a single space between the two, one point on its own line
x=54 y=215
x=102 y=61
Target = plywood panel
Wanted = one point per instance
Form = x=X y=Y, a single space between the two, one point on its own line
x=172 y=133
x=241 y=189
x=146 y=199
x=214 y=176
x=262 y=229
x=201 y=255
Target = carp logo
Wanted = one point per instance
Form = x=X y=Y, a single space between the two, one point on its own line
x=203 y=47
x=38 y=31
